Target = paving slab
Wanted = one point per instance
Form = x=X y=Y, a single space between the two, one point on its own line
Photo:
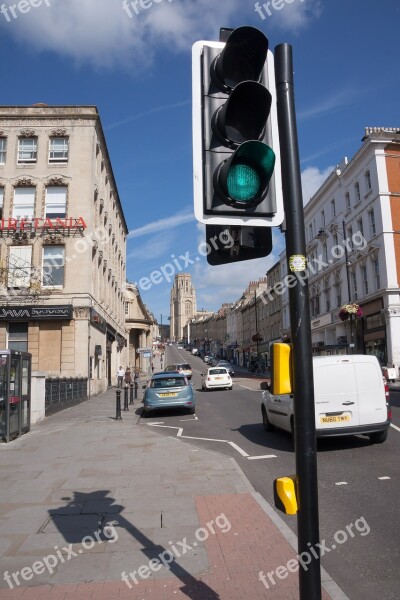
x=108 y=499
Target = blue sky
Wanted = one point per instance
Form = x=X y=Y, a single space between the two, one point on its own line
x=137 y=70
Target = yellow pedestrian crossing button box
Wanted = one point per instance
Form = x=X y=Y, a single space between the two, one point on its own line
x=281 y=369
x=285 y=494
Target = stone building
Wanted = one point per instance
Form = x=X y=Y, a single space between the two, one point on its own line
x=182 y=305
x=62 y=243
x=139 y=325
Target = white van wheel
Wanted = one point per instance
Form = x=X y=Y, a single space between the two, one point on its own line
x=266 y=424
x=378 y=437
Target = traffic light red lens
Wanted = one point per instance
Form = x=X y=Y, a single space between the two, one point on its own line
x=243 y=182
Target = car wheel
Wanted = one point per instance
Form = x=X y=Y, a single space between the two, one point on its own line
x=145 y=414
x=378 y=437
x=192 y=410
x=266 y=424
x=229 y=388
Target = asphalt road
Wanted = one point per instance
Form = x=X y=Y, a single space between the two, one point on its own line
x=358 y=482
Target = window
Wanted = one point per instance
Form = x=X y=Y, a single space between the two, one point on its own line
x=58 y=150
x=338 y=294
x=19 y=266
x=56 y=202
x=24 y=202
x=53 y=265
x=328 y=300
x=376 y=274
x=310 y=232
x=1 y=201
x=322 y=219
x=357 y=192
x=3 y=150
x=364 y=279
x=27 y=150
x=348 y=205
x=335 y=239
x=372 y=224
x=367 y=180
x=360 y=226
x=325 y=252
x=18 y=336
x=126 y=308
x=354 y=278
x=333 y=208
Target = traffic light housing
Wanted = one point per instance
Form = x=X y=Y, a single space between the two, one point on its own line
x=237 y=178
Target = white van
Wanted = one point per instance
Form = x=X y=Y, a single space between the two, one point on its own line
x=350 y=399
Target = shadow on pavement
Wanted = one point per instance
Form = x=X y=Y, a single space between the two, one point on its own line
x=88 y=514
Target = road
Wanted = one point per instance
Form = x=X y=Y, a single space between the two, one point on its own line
x=358 y=482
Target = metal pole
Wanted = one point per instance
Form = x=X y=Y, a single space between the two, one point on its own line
x=255 y=308
x=118 y=407
x=126 y=397
x=304 y=430
x=131 y=393
x=346 y=256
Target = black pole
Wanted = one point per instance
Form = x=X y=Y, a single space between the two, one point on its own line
x=126 y=397
x=305 y=440
x=346 y=256
x=118 y=407
x=131 y=393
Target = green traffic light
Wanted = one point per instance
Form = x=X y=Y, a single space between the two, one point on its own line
x=243 y=182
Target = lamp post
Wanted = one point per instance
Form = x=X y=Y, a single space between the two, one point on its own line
x=323 y=236
x=255 y=307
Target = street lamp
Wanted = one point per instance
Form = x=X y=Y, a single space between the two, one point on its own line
x=322 y=235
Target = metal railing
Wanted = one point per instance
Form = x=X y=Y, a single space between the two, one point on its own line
x=64 y=392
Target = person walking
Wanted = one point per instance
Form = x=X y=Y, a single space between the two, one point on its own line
x=120 y=376
x=128 y=377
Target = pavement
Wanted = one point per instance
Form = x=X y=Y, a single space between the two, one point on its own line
x=92 y=507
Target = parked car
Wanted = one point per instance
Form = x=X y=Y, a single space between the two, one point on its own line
x=195 y=351
x=183 y=368
x=207 y=358
x=168 y=390
x=350 y=399
x=216 y=377
x=227 y=365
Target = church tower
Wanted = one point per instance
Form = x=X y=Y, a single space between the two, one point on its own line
x=183 y=304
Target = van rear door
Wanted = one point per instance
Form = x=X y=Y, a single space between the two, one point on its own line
x=371 y=391
x=336 y=398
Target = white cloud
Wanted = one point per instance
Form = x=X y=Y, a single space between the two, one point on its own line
x=311 y=179
x=294 y=14
x=102 y=33
x=156 y=247
x=169 y=223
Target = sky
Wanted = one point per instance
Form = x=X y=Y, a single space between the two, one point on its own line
x=134 y=64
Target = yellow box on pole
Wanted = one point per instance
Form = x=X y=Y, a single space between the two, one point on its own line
x=281 y=371
x=285 y=495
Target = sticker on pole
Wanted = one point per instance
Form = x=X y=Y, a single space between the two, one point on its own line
x=297 y=262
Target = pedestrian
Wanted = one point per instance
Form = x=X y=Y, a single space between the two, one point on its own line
x=128 y=377
x=120 y=376
x=152 y=367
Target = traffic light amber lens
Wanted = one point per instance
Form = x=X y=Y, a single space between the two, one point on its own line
x=243 y=182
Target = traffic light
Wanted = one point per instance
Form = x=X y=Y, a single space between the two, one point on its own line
x=236 y=155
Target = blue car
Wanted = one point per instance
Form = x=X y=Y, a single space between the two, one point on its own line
x=168 y=390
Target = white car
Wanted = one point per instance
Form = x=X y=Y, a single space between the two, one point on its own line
x=216 y=377
x=350 y=399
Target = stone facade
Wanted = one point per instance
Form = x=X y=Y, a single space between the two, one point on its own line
x=62 y=243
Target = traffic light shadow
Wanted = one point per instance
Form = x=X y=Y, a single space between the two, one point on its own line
x=86 y=512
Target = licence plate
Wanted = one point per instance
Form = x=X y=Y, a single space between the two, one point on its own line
x=217 y=377
x=168 y=395
x=335 y=419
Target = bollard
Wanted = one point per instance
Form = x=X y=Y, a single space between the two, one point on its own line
x=126 y=398
x=136 y=388
x=118 y=414
x=131 y=394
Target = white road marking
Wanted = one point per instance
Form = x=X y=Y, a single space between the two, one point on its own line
x=341 y=483
x=394 y=426
x=385 y=477
x=190 y=437
x=259 y=457
x=192 y=419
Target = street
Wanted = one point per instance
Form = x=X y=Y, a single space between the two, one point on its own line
x=357 y=480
